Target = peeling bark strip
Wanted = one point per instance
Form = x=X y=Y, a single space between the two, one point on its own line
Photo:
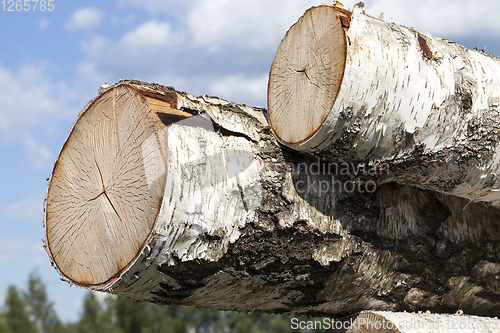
x=379 y=92
x=165 y=197
x=390 y=322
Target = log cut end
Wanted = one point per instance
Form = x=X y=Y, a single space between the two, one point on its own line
x=306 y=74
x=106 y=187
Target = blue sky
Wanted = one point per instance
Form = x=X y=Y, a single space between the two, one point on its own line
x=53 y=62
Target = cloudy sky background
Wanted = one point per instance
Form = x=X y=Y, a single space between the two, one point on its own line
x=52 y=63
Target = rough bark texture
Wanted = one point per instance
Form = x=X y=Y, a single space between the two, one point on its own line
x=248 y=225
x=427 y=107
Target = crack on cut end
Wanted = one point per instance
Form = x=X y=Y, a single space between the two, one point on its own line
x=112 y=206
x=95 y=197
x=102 y=183
x=305 y=73
x=100 y=176
x=304 y=70
x=104 y=192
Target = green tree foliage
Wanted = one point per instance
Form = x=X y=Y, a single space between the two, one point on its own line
x=131 y=316
x=255 y=322
x=31 y=311
x=95 y=317
x=40 y=309
x=17 y=317
x=91 y=319
x=3 y=323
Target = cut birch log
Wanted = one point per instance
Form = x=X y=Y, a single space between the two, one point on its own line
x=405 y=322
x=354 y=88
x=123 y=155
x=164 y=197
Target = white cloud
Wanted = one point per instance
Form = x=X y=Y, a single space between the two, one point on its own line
x=85 y=18
x=149 y=34
x=241 y=89
x=95 y=45
x=144 y=50
x=29 y=100
x=258 y=22
x=28 y=209
x=118 y=20
x=39 y=156
x=162 y=6
x=246 y=24
x=26 y=250
x=43 y=24
x=226 y=47
x=90 y=73
x=446 y=19
x=201 y=48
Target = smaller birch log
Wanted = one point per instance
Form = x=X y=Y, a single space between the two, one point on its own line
x=352 y=88
x=405 y=322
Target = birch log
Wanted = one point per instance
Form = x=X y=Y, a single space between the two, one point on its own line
x=390 y=322
x=161 y=196
x=354 y=88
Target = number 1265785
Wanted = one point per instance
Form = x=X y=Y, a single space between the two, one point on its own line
x=27 y=5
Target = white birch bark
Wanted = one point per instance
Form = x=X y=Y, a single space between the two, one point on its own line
x=426 y=105
x=406 y=322
x=165 y=197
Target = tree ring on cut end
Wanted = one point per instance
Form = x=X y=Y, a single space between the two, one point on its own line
x=306 y=75
x=106 y=189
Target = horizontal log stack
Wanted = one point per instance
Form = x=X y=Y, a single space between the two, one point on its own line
x=165 y=197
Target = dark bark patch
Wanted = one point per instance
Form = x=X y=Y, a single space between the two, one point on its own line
x=168 y=96
x=465 y=100
x=281 y=257
x=426 y=51
x=343 y=14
